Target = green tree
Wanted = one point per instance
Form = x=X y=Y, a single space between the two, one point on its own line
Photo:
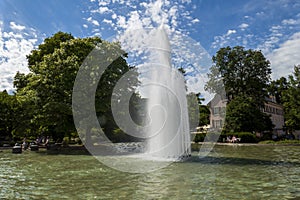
x=7 y=114
x=243 y=115
x=204 y=115
x=13 y=118
x=291 y=99
x=277 y=88
x=198 y=113
x=240 y=72
x=49 y=85
x=244 y=76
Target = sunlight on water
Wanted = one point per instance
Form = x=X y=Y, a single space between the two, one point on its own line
x=228 y=172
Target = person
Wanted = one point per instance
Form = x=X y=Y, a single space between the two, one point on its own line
x=233 y=140
x=24 y=145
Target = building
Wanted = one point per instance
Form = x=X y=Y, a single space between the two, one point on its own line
x=276 y=113
x=217 y=108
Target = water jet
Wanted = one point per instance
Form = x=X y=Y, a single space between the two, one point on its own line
x=168 y=132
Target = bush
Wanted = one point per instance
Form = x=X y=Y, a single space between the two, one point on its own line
x=266 y=136
x=267 y=142
x=65 y=141
x=213 y=137
x=199 y=137
x=120 y=136
x=210 y=137
x=246 y=137
x=280 y=142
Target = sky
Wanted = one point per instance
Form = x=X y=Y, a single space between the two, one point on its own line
x=197 y=29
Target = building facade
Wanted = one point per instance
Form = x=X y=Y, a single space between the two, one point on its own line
x=217 y=108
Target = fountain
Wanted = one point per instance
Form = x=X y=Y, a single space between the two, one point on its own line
x=168 y=135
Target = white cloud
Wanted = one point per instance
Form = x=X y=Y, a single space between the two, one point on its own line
x=17 y=27
x=285 y=57
x=93 y=21
x=121 y=22
x=102 y=10
x=272 y=40
x=260 y=13
x=290 y=22
x=108 y=21
x=134 y=26
x=114 y=16
x=243 y=26
x=229 y=32
x=195 y=21
x=103 y=2
x=14 y=46
x=223 y=40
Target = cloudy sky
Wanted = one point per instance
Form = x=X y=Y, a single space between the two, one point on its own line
x=197 y=28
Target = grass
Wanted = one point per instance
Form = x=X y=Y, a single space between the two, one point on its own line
x=280 y=142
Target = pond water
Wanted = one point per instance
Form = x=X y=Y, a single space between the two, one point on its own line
x=229 y=172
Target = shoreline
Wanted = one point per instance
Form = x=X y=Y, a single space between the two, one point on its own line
x=248 y=144
x=75 y=147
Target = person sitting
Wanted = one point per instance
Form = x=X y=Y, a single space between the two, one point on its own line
x=233 y=140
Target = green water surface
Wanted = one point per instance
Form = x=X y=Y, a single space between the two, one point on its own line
x=229 y=172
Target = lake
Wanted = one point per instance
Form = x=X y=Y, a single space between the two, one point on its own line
x=228 y=172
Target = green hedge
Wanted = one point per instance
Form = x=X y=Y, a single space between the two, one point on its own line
x=246 y=137
x=210 y=137
x=280 y=142
x=199 y=137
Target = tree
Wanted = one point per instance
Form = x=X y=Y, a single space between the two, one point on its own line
x=198 y=113
x=240 y=72
x=14 y=120
x=291 y=99
x=8 y=104
x=53 y=68
x=244 y=76
x=277 y=89
x=242 y=115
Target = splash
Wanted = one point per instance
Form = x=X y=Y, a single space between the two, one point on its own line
x=168 y=132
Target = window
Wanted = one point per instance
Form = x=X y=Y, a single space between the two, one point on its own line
x=219 y=110
x=216 y=110
x=217 y=123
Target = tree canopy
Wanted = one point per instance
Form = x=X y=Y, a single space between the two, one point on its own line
x=8 y=114
x=240 y=72
x=46 y=92
x=291 y=99
x=244 y=76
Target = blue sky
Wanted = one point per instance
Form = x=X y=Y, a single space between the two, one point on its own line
x=272 y=26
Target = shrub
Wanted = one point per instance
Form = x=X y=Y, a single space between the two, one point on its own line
x=120 y=136
x=267 y=142
x=65 y=141
x=213 y=137
x=280 y=142
x=209 y=137
x=199 y=137
x=246 y=137
x=266 y=136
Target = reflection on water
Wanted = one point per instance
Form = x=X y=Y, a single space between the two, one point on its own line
x=229 y=172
